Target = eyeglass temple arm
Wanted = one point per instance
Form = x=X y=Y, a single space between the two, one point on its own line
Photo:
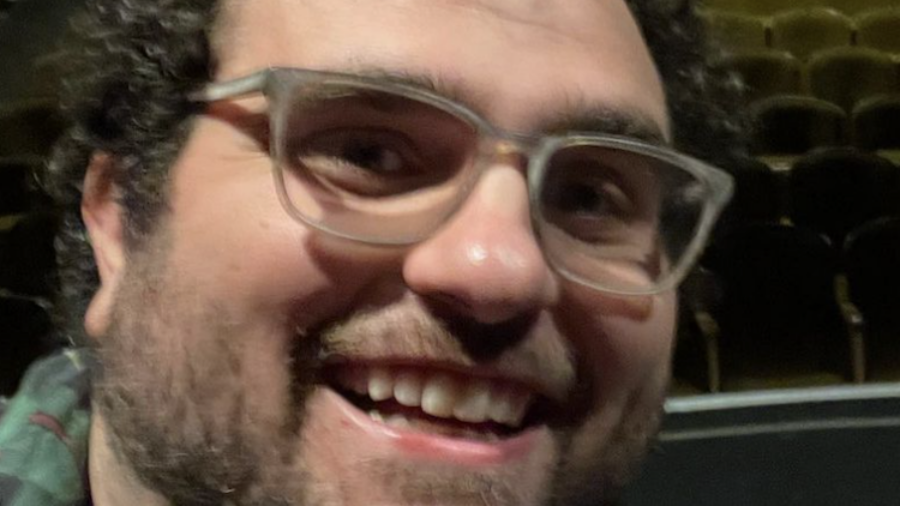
x=214 y=92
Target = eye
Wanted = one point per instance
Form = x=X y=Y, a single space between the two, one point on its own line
x=589 y=198
x=364 y=150
x=366 y=161
x=587 y=192
x=590 y=201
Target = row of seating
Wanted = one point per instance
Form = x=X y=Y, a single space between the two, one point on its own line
x=798 y=289
x=829 y=191
x=802 y=32
x=843 y=76
x=776 y=305
x=770 y=7
x=793 y=125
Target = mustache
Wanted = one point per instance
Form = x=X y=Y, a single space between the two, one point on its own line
x=528 y=347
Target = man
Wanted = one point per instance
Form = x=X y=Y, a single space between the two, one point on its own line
x=458 y=288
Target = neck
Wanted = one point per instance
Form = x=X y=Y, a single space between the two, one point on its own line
x=113 y=482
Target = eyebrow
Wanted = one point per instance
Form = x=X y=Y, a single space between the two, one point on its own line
x=607 y=119
x=445 y=88
x=577 y=116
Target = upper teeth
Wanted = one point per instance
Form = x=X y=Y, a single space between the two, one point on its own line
x=441 y=394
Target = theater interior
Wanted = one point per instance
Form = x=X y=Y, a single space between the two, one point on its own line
x=786 y=388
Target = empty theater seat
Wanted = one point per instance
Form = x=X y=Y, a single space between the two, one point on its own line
x=803 y=32
x=767 y=73
x=793 y=125
x=736 y=31
x=759 y=194
x=847 y=75
x=780 y=323
x=834 y=191
x=872 y=263
x=879 y=29
x=852 y=7
x=876 y=123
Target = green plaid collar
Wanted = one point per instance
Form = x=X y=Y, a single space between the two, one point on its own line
x=44 y=434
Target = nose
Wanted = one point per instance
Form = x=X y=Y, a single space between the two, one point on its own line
x=485 y=263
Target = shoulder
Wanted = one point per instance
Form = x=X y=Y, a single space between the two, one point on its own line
x=43 y=434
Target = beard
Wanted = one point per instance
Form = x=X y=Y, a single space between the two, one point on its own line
x=180 y=386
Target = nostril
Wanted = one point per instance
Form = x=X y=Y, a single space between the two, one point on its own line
x=442 y=303
x=482 y=340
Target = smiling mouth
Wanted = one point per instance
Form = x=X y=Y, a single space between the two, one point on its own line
x=437 y=401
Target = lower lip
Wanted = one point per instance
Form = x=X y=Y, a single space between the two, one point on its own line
x=428 y=447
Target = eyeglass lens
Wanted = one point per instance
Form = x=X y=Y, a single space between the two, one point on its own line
x=388 y=168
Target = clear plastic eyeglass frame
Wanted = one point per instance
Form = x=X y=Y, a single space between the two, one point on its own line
x=282 y=85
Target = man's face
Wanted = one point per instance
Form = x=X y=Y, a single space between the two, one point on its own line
x=249 y=357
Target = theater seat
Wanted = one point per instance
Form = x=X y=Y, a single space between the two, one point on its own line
x=836 y=190
x=736 y=31
x=794 y=125
x=879 y=29
x=847 y=75
x=803 y=32
x=779 y=320
x=759 y=194
x=767 y=73
x=876 y=123
x=852 y=7
x=872 y=262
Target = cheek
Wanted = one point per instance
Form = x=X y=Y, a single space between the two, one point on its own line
x=232 y=240
x=626 y=343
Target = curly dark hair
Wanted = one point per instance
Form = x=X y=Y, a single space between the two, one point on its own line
x=136 y=62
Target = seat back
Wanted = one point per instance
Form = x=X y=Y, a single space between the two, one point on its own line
x=852 y=7
x=758 y=196
x=779 y=311
x=847 y=75
x=774 y=275
x=876 y=123
x=834 y=191
x=736 y=31
x=879 y=29
x=766 y=73
x=872 y=263
x=803 y=32
x=794 y=125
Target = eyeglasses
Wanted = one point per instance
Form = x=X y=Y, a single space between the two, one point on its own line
x=388 y=163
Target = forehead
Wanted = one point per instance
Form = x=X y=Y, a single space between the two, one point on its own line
x=517 y=59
